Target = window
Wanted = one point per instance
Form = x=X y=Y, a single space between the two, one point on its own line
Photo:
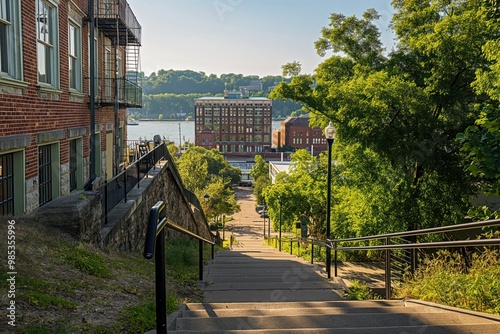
x=49 y=176
x=76 y=163
x=73 y=165
x=44 y=174
x=96 y=61
x=119 y=76
x=107 y=70
x=74 y=54
x=10 y=39
x=7 y=184
x=47 y=50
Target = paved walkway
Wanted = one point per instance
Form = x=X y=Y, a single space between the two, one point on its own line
x=253 y=272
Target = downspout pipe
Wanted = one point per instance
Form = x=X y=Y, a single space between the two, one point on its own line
x=92 y=171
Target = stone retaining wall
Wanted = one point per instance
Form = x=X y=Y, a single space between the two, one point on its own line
x=79 y=214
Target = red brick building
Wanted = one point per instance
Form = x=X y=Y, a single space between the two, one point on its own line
x=46 y=100
x=235 y=124
x=295 y=133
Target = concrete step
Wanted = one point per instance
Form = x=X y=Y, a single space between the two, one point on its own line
x=228 y=313
x=344 y=304
x=248 y=284
x=335 y=321
x=273 y=295
x=449 y=329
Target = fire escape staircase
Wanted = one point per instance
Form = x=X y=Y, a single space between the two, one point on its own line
x=115 y=19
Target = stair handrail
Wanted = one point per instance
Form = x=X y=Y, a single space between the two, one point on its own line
x=154 y=246
x=333 y=244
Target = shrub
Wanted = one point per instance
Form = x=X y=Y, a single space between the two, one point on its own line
x=442 y=279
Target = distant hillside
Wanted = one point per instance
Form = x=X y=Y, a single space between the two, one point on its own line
x=171 y=93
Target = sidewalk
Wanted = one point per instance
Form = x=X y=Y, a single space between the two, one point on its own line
x=248 y=226
x=252 y=272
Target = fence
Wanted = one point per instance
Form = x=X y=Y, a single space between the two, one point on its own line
x=116 y=190
x=400 y=248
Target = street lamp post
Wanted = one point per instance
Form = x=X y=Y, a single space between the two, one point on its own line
x=330 y=133
x=279 y=199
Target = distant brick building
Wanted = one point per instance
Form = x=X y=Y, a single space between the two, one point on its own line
x=234 y=124
x=296 y=133
x=45 y=96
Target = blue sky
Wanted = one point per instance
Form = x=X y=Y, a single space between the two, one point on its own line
x=251 y=37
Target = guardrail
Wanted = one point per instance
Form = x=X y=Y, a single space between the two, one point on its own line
x=155 y=247
x=116 y=190
x=408 y=240
x=127 y=92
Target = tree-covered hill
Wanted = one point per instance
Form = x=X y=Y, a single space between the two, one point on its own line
x=171 y=93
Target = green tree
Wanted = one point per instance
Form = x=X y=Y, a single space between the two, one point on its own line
x=260 y=175
x=221 y=200
x=300 y=191
x=405 y=108
x=481 y=140
x=259 y=185
x=197 y=166
x=260 y=168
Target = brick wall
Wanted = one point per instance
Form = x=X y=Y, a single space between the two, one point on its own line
x=35 y=111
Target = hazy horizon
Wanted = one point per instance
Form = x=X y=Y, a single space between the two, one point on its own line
x=249 y=37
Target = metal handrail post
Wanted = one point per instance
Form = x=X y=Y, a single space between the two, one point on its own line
x=138 y=173
x=291 y=247
x=200 y=260
x=106 y=201
x=413 y=260
x=213 y=251
x=155 y=246
x=312 y=253
x=335 y=258
x=161 y=291
x=125 y=185
x=387 y=270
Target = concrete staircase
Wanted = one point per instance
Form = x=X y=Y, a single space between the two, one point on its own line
x=350 y=317
x=264 y=291
x=256 y=289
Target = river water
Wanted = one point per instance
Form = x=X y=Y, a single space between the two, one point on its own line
x=178 y=132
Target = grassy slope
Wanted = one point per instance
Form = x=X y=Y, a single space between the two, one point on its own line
x=63 y=286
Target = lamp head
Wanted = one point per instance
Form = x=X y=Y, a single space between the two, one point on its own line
x=330 y=131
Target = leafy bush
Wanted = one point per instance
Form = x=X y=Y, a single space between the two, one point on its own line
x=443 y=279
x=359 y=291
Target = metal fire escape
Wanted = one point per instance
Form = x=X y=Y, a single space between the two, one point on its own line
x=115 y=19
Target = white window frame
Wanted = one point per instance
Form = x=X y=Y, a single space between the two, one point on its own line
x=47 y=43
x=10 y=40
x=75 y=56
x=107 y=72
x=96 y=62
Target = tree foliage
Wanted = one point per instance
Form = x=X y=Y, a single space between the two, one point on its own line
x=207 y=172
x=172 y=92
x=300 y=191
x=260 y=175
x=398 y=163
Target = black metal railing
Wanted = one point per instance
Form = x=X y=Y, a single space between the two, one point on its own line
x=155 y=247
x=400 y=248
x=116 y=190
x=127 y=93
x=120 y=11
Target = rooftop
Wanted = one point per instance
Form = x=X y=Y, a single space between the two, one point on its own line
x=221 y=98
